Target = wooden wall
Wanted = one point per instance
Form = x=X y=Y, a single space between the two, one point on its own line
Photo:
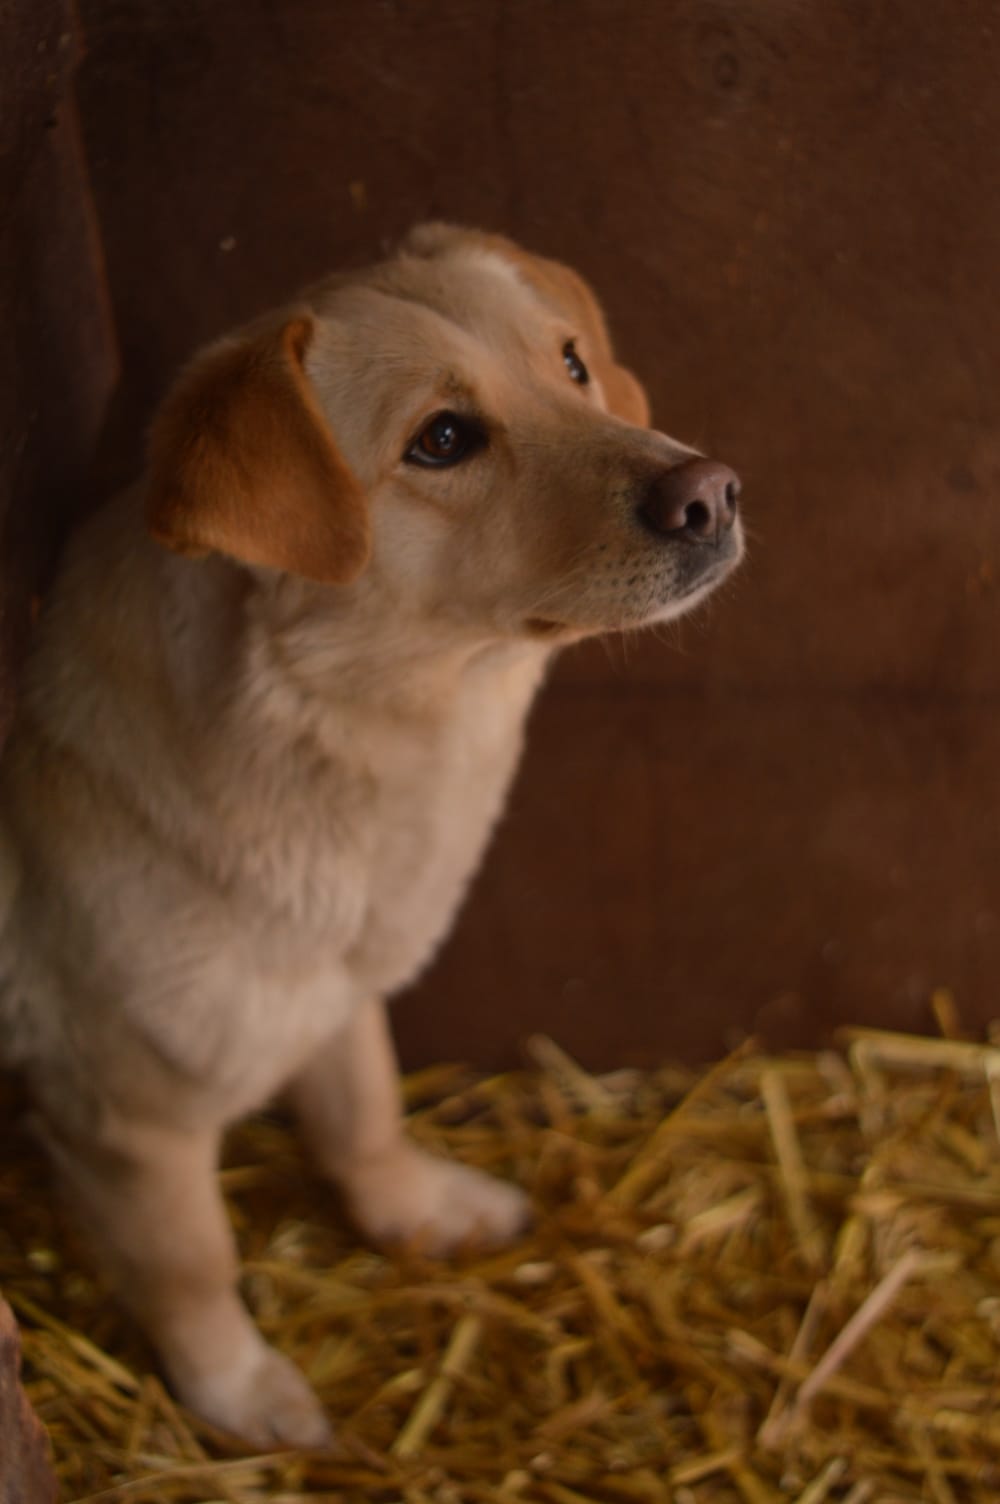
x=57 y=351
x=784 y=813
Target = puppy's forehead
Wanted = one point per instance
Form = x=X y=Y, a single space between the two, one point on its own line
x=482 y=284
x=471 y=291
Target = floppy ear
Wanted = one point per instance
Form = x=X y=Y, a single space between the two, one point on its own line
x=563 y=289
x=242 y=463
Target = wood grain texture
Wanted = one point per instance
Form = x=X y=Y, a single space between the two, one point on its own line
x=57 y=357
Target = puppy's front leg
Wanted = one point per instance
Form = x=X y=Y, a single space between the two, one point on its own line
x=348 y=1104
x=152 y=1205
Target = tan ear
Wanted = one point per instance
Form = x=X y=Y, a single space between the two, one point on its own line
x=242 y=463
x=563 y=289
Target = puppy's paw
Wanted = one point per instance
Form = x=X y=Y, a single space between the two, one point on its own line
x=434 y=1205
x=264 y=1400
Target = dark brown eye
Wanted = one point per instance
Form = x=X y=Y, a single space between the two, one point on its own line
x=446 y=439
x=574 y=365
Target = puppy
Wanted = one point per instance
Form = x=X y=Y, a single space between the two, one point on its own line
x=274 y=705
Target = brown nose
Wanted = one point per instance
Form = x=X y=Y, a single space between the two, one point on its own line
x=695 y=500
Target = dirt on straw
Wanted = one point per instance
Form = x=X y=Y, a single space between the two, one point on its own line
x=775 y=1280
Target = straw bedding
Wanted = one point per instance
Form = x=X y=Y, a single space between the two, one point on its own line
x=775 y=1280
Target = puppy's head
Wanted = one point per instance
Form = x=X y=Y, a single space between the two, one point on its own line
x=448 y=431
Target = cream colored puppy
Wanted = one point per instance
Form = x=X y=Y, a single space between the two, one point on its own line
x=274 y=706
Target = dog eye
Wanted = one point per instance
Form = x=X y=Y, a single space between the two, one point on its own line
x=446 y=440
x=574 y=365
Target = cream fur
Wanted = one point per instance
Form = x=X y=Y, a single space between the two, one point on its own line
x=240 y=807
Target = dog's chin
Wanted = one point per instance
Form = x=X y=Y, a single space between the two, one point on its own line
x=686 y=592
x=681 y=602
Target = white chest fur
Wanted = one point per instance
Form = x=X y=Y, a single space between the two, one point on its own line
x=349 y=878
x=333 y=862
x=247 y=856
x=438 y=796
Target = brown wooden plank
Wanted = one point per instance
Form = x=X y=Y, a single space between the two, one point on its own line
x=678 y=870
x=57 y=358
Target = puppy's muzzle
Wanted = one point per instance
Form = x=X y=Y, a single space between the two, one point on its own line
x=694 y=502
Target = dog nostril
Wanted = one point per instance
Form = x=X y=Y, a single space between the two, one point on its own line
x=694 y=500
x=697 y=517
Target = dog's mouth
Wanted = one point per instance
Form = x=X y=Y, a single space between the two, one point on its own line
x=707 y=579
x=542 y=627
x=705 y=570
